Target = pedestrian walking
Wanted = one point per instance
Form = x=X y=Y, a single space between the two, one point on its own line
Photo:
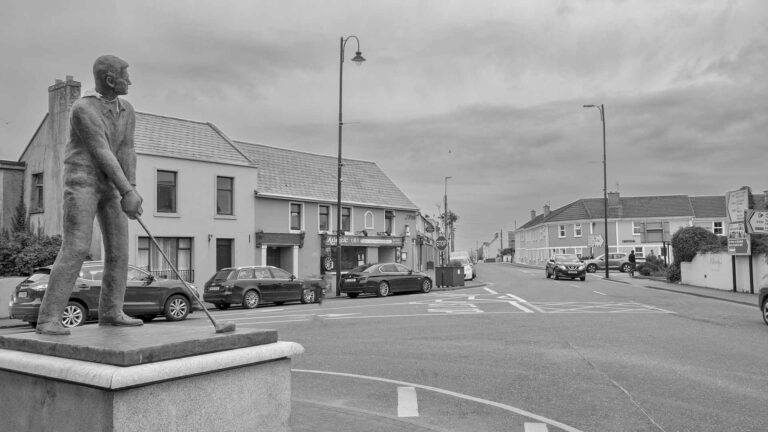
x=632 y=264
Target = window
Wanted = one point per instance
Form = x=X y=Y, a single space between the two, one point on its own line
x=577 y=230
x=561 y=231
x=166 y=192
x=637 y=228
x=368 y=220
x=36 y=193
x=717 y=228
x=389 y=221
x=224 y=195
x=639 y=252
x=279 y=273
x=324 y=218
x=346 y=214
x=245 y=273
x=296 y=217
x=177 y=249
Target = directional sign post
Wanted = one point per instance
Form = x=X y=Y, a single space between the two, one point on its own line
x=595 y=240
x=756 y=222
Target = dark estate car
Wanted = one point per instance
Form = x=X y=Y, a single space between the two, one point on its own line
x=145 y=296
x=253 y=285
x=566 y=265
x=383 y=279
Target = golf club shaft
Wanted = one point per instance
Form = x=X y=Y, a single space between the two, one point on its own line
x=190 y=290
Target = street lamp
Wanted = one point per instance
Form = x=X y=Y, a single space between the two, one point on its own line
x=601 y=108
x=358 y=59
x=445 y=215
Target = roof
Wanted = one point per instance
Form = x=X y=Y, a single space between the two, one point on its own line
x=636 y=208
x=287 y=174
x=185 y=139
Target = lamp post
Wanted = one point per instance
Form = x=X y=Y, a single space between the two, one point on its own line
x=445 y=216
x=358 y=59
x=601 y=108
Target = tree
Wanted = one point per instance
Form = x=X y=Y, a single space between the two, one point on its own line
x=450 y=229
x=19 y=222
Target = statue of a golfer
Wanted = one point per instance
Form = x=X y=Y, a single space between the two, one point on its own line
x=99 y=181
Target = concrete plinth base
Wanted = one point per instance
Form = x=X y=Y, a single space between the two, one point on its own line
x=235 y=389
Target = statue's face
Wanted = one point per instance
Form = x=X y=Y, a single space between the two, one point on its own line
x=120 y=83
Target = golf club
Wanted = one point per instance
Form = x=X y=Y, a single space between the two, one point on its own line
x=221 y=327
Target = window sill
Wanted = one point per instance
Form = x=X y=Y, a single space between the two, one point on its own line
x=167 y=215
x=228 y=217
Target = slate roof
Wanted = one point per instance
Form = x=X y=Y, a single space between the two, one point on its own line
x=185 y=139
x=285 y=173
x=636 y=208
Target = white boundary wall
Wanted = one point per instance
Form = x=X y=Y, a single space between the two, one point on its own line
x=714 y=270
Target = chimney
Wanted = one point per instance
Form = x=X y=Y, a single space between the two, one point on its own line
x=62 y=94
x=613 y=199
x=533 y=214
x=546 y=210
x=765 y=199
x=614 y=205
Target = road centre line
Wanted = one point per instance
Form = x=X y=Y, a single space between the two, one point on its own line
x=502 y=406
x=407 y=402
x=490 y=290
x=598 y=292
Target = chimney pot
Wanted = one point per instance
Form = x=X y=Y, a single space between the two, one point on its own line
x=70 y=78
x=546 y=210
x=533 y=214
x=58 y=81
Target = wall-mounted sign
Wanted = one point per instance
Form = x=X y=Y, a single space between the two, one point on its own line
x=738 y=239
x=330 y=240
x=737 y=202
x=756 y=222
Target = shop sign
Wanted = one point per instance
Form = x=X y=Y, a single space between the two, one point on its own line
x=330 y=240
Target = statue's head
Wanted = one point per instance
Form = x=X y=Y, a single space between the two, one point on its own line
x=111 y=75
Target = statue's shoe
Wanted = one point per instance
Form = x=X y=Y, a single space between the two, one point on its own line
x=120 y=320
x=52 y=328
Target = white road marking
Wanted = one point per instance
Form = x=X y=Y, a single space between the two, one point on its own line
x=521 y=307
x=535 y=427
x=336 y=315
x=521 y=300
x=502 y=406
x=490 y=290
x=407 y=402
x=598 y=292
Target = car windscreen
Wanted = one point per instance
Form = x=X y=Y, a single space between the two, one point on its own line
x=464 y=261
x=566 y=258
x=37 y=277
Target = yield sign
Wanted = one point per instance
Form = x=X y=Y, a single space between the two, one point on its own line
x=756 y=222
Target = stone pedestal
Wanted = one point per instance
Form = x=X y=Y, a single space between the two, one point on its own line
x=161 y=377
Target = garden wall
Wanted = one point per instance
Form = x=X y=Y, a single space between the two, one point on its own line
x=714 y=270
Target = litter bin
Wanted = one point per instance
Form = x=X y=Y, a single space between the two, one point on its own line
x=449 y=276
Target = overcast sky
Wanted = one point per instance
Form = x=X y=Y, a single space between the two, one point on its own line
x=487 y=92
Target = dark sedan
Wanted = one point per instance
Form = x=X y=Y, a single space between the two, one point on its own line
x=565 y=265
x=145 y=296
x=251 y=286
x=383 y=279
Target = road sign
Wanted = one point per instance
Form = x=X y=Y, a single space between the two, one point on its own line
x=595 y=240
x=441 y=243
x=738 y=239
x=756 y=222
x=737 y=202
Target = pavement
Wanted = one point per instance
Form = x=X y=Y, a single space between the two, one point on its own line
x=309 y=416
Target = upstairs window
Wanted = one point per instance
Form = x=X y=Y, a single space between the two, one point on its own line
x=166 y=192
x=224 y=195
x=637 y=228
x=368 y=220
x=296 y=217
x=36 y=197
x=561 y=231
x=577 y=230
x=717 y=228
x=324 y=218
x=389 y=221
x=346 y=216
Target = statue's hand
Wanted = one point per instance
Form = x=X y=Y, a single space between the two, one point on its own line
x=131 y=204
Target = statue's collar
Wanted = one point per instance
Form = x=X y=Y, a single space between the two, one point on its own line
x=108 y=105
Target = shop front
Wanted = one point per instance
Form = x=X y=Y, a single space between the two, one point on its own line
x=357 y=250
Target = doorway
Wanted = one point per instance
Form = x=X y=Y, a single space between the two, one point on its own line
x=223 y=253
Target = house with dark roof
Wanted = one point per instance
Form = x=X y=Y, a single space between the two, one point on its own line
x=212 y=202
x=641 y=224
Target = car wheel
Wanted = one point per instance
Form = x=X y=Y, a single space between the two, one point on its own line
x=33 y=324
x=547 y=273
x=222 y=306
x=176 y=308
x=426 y=286
x=251 y=299
x=383 y=290
x=352 y=295
x=583 y=278
x=147 y=318
x=74 y=315
x=765 y=311
x=626 y=268
x=592 y=268
x=308 y=296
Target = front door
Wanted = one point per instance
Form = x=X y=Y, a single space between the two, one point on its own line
x=273 y=257
x=223 y=253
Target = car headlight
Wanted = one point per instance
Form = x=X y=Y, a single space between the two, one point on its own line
x=581 y=267
x=363 y=279
x=561 y=266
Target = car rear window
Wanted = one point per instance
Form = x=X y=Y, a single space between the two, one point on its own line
x=37 y=277
x=365 y=268
x=222 y=275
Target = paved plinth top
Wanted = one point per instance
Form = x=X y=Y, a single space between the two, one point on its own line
x=129 y=346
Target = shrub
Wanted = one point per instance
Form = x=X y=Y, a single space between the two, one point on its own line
x=673 y=272
x=689 y=241
x=21 y=252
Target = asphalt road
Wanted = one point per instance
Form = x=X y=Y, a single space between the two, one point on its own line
x=525 y=353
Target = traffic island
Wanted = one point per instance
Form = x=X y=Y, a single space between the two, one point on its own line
x=154 y=377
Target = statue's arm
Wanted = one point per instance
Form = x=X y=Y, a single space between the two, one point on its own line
x=88 y=125
x=127 y=153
